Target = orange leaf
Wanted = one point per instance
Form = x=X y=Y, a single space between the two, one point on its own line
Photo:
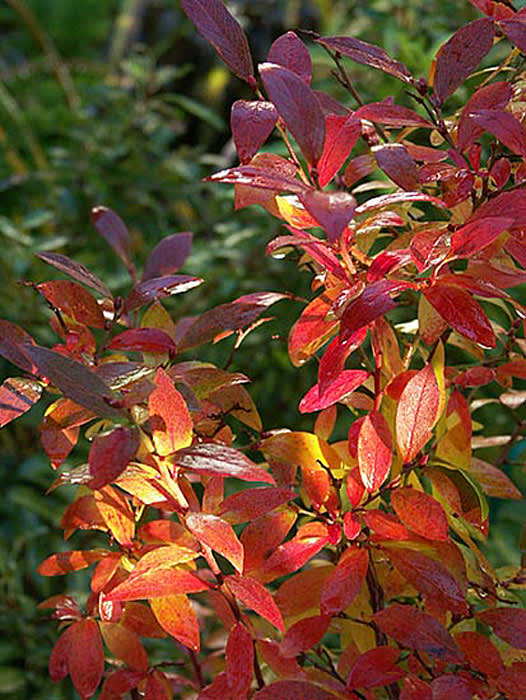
x=421 y=513
x=263 y=535
x=125 y=645
x=170 y=419
x=255 y=596
x=157 y=583
x=417 y=413
x=176 y=616
x=74 y=301
x=65 y=562
x=345 y=581
x=375 y=450
x=17 y=395
x=116 y=513
x=217 y=534
x=301 y=593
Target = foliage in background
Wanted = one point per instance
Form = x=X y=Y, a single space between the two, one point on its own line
x=146 y=106
x=169 y=451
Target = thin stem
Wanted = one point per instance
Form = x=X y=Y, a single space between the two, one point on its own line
x=197 y=668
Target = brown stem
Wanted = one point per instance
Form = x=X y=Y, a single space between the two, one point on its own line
x=197 y=668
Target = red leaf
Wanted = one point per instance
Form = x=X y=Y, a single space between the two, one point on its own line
x=216 y=459
x=375 y=450
x=417 y=413
x=76 y=270
x=514 y=29
x=388 y=261
x=341 y=133
x=109 y=455
x=303 y=635
x=227 y=317
x=58 y=660
x=421 y=513
x=477 y=235
x=239 y=660
x=294 y=553
x=125 y=645
x=367 y=54
x=332 y=210
x=503 y=125
x=261 y=536
x=260 y=177
x=374 y=668
x=373 y=302
x=157 y=288
x=391 y=115
x=17 y=395
x=290 y=52
x=215 y=23
x=345 y=383
x=414 y=629
x=251 y=124
x=217 y=690
x=113 y=229
x=217 y=534
x=385 y=525
x=480 y=652
x=85 y=656
x=333 y=359
x=66 y=562
x=416 y=689
x=458 y=308
x=170 y=419
x=293 y=690
x=512 y=682
x=508 y=623
x=298 y=107
x=345 y=581
x=252 y=503
x=176 y=616
x=389 y=200
x=74 y=301
x=168 y=255
x=256 y=597
x=143 y=340
x=75 y=381
x=431 y=578
x=157 y=583
x=492 y=96
x=397 y=164
x=459 y=56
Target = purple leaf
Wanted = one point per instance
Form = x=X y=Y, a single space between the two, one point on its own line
x=251 y=124
x=227 y=317
x=113 y=229
x=504 y=126
x=299 y=108
x=168 y=255
x=258 y=177
x=515 y=30
x=215 y=23
x=215 y=459
x=392 y=115
x=367 y=54
x=333 y=210
x=13 y=346
x=375 y=301
x=397 y=164
x=75 y=270
x=158 y=287
x=290 y=52
x=109 y=455
x=458 y=57
x=143 y=340
x=492 y=96
x=75 y=381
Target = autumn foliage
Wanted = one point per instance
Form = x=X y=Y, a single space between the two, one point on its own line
x=285 y=564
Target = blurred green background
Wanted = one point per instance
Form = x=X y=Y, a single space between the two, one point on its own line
x=120 y=102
